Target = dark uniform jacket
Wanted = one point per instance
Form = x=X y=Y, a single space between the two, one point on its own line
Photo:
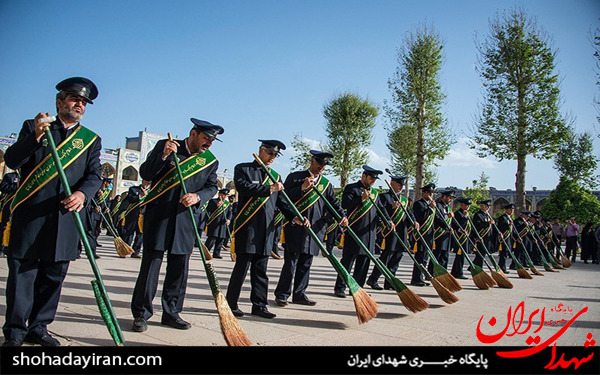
x=41 y=227
x=483 y=225
x=444 y=238
x=218 y=227
x=460 y=225
x=134 y=194
x=519 y=227
x=422 y=211
x=297 y=238
x=503 y=222
x=365 y=227
x=256 y=236
x=391 y=242
x=167 y=223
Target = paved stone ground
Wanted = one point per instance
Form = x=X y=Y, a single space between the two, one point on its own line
x=333 y=320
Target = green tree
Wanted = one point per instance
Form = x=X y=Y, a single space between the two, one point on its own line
x=595 y=38
x=478 y=191
x=301 y=159
x=520 y=112
x=350 y=120
x=570 y=199
x=576 y=160
x=418 y=135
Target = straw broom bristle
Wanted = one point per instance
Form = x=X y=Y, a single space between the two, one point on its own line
x=446 y=295
x=232 y=330
x=412 y=301
x=557 y=266
x=207 y=253
x=535 y=271
x=566 y=262
x=502 y=280
x=366 y=307
x=548 y=268
x=523 y=274
x=449 y=282
x=483 y=281
x=123 y=249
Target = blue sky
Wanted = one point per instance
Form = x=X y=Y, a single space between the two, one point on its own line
x=264 y=69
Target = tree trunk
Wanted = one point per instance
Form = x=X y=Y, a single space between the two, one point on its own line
x=520 y=183
x=420 y=167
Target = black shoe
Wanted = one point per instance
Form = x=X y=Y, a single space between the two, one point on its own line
x=463 y=277
x=12 y=342
x=281 y=302
x=134 y=255
x=585 y=262
x=217 y=256
x=139 y=325
x=419 y=283
x=375 y=286
x=262 y=312
x=98 y=245
x=304 y=301
x=506 y=271
x=237 y=312
x=96 y=256
x=176 y=323
x=340 y=293
x=45 y=340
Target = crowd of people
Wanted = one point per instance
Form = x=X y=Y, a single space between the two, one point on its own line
x=302 y=211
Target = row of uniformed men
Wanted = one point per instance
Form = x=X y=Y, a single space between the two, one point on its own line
x=42 y=243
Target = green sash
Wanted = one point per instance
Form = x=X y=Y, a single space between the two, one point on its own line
x=253 y=205
x=68 y=151
x=484 y=231
x=104 y=195
x=132 y=207
x=218 y=211
x=116 y=208
x=307 y=200
x=361 y=210
x=462 y=237
x=398 y=214
x=189 y=167
x=439 y=231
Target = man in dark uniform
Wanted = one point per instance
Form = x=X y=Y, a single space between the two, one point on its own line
x=533 y=225
x=219 y=216
x=362 y=219
x=130 y=229
x=167 y=224
x=442 y=237
x=462 y=228
x=523 y=241
x=43 y=237
x=254 y=228
x=424 y=214
x=483 y=225
x=393 y=249
x=8 y=186
x=277 y=236
x=233 y=202
x=505 y=227
x=300 y=247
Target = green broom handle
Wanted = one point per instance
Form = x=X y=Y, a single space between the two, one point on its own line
x=81 y=230
x=534 y=235
x=108 y=224
x=387 y=223
x=496 y=266
x=505 y=243
x=338 y=217
x=525 y=252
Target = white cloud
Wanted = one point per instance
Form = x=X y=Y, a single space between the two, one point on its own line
x=461 y=155
x=377 y=161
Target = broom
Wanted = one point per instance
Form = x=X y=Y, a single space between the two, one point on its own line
x=232 y=331
x=564 y=260
x=123 y=248
x=365 y=306
x=104 y=305
x=545 y=263
x=439 y=272
x=409 y=299
x=497 y=274
x=526 y=253
x=521 y=271
x=550 y=257
x=443 y=292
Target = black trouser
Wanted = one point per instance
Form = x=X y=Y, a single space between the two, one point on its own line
x=502 y=256
x=458 y=264
x=217 y=243
x=174 y=285
x=296 y=268
x=257 y=263
x=360 y=270
x=390 y=259
x=33 y=290
x=136 y=237
x=571 y=246
x=421 y=257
